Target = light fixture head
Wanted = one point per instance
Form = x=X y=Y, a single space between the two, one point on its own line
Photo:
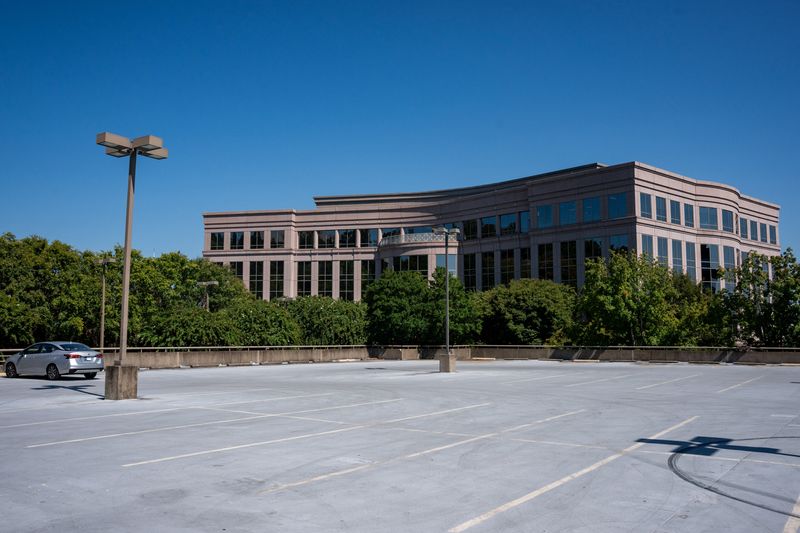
x=455 y=231
x=147 y=143
x=438 y=230
x=159 y=153
x=112 y=140
x=118 y=152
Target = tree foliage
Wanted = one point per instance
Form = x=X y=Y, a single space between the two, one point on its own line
x=528 y=311
x=325 y=321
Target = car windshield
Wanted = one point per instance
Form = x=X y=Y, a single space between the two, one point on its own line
x=78 y=347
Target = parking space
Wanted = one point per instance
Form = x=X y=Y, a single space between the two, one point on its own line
x=397 y=446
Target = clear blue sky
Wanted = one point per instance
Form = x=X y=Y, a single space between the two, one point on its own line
x=265 y=104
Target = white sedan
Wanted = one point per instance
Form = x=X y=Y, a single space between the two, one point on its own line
x=54 y=359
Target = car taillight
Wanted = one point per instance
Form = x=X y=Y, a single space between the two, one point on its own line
x=99 y=356
x=72 y=356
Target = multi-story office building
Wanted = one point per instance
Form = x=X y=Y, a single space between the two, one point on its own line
x=542 y=226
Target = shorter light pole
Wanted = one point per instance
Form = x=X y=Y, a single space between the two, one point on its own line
x=104 y=261
x=441 y=230
x=205 y=285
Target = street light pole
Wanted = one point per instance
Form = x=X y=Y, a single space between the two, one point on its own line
x=121 y=380
x=105 y=261
x=441 y=230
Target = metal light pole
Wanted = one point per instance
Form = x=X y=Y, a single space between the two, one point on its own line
x=104 y=261
x=441 y=230
x=205 y=285
x=121 y=380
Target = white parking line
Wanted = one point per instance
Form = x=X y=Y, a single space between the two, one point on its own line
x=793 y=523
x=404 y=457
x=534 y=379
x=434 y=413
x=665 y=382
x=740 y=384
x=555 y=484
x=732 y=459
x=184 y=426
x=362 y=426
x=598 y=380
x=515 y=428
x=242 y=446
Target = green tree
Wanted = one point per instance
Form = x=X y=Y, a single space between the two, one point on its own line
x=626 y=300
x=528 y=311
x=189 y=326
x=396 y=305
x=465 y=318
x=325 y=321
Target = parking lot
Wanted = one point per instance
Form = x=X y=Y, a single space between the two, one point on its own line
x=397 y=446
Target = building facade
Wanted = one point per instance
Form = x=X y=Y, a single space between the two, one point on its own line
x=543 y=226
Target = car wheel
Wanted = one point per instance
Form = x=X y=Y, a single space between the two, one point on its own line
x=11 y=370
x=53 y=373
x=90 y=375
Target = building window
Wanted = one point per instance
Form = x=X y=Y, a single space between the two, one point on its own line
x=487 y=270
x=544 y=216
x=661 y=209
x=304 y=278
x=569 y=263
x=688 y=215
x=326 y=238
x=729 y=262
x=754 y=230
x=470 y=272
x=691 y=261
x=524 y=221
x=412 y=263
x=237 y=240
x=592 y=248
x=275 y=279
x=306 y=239
x=452 y=265
x=470 y=229
x=663 y=246
x=675 y=212
x=325 y=278
x=709 y=266
x=256 y=240
x=546 y=261
x=506 y=266
x=646 y=205
x=508 y=224
x=567 y=213
x=743 y=228
x=415 y=230
x=524 y=263
x=390 y=232
x=347 y=238
x=708 y=218
x=217 y=241
x=617 y=205
x=347 y=280
x=727 y=221
x=762 y=228
x=618 y=243
x=386 y=264
x=677 y=257
x=647 y=246
x=369 y=238
x=257 y=279
x=367 y=275
x=591 y=209
x=276 y=238
x=488 y=227
x=237 y=268
x=773 y=235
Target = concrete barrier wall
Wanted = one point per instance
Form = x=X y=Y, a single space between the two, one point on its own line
x=177 y=359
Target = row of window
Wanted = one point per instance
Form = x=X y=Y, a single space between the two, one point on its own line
x=617 y=207
x=276 y=240
x=709 y=218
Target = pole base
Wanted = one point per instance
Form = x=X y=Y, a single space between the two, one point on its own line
x=122 y=382
x=447 y=362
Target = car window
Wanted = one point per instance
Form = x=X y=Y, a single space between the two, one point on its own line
x=47 y=348
x=75 y=346
x=32 y=349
